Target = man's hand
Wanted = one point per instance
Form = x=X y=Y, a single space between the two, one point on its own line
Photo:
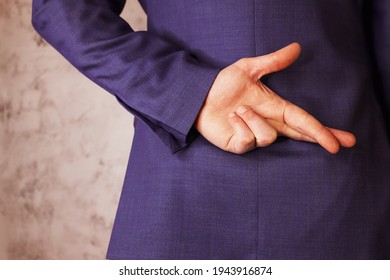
x=241 y=113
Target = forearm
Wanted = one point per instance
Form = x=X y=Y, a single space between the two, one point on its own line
x=153 y=78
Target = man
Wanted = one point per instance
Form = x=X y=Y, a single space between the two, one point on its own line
x=207 y=176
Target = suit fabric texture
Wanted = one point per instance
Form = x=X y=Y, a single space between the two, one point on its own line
x=184 y=198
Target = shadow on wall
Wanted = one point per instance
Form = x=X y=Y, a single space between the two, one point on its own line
x=64 y=145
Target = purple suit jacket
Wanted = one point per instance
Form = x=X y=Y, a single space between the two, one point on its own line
x=184 y=198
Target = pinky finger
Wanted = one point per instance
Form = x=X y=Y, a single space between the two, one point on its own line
x=242 y=139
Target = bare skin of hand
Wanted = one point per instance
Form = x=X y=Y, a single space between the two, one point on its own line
x=240 y=113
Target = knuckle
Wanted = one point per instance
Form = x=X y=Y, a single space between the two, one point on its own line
x=240 y=63
x=249 y=115
x=234 y=119
x=239 y=151
x=267 y=139
x=244 y=63
x=241 y=145
x=245 y=143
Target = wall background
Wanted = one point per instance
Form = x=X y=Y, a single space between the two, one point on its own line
x=64 y=144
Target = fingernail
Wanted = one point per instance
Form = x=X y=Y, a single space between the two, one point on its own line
x=242 y=109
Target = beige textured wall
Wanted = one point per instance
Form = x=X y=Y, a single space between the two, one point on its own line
x=64 y=144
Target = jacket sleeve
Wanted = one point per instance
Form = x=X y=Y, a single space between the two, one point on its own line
x=155 y=80
x=378 y=30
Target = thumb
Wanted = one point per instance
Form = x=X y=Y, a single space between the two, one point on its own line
x=276 y=61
